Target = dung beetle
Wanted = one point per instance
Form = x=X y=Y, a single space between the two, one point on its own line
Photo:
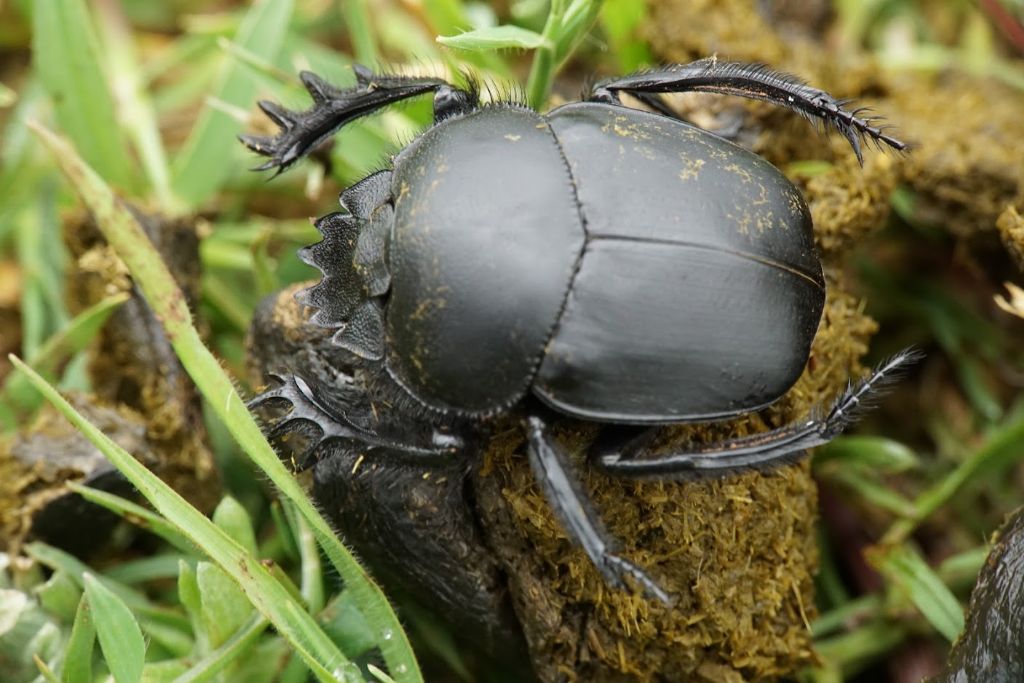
x=597 y=261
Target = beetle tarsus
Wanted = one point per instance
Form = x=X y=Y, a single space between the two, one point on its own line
x=858 y=397
x=552 y=469
x=767 y=449
x=753 y=81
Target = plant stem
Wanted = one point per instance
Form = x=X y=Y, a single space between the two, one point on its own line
x=538 y=86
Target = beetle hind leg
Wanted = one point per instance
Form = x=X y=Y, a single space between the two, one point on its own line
x=753 y=81
x=767 y=449
x=553 y=472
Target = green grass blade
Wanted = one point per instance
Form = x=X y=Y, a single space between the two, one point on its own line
x=44 y=670
x=16 y=395
x=136 y=514
x=168 y=303
x=579 y=17
x=223 y=606
x=312 y=571
x=215 y=662
x=360 y=31
x=1000 y=451
x=209 y=155
x=120 y=637
x=855 y=650
x=622 y=21
x=40 y=251
x=266 y=594
x=144 y=569
x=138 y=117
x=78 y=656
x=257 y=64
x=919 y=582
x=873 y=492
x=66 y=55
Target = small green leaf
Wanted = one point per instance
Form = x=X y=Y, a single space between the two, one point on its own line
x=347 y=626
x=234 y=520
x=174 y=641
x=120 y=638
x=495 y=38
x=74 y=568
x=60 y=596
x=188 y=593
x=224 y=605
x=919 y=582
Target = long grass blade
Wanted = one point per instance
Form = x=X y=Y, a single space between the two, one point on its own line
x=66 y=55
x=165 y=298
x=209 y=155
x=266 y=594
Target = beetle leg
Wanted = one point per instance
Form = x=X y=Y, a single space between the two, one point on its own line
x=766 y=449
x=302 y=131
x=754 y=81
x=552 y=469
x=318 y=416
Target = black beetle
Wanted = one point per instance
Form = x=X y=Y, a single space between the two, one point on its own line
x=596 y=261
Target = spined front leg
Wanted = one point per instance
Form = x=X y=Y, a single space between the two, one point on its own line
x=395 y=488
x=302 y=131
x=348 y=416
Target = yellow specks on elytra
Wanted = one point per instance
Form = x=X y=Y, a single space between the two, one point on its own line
x=744 y=174
x=403 y=191
x=691 y=168
x=623 y=127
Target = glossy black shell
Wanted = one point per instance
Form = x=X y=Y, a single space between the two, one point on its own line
x=621 y=265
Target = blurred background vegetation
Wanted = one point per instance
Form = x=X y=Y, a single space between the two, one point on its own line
x=152 y=93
